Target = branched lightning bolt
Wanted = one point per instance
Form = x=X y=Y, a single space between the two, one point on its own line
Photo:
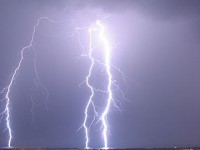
x=107 y=66
x=7 y=90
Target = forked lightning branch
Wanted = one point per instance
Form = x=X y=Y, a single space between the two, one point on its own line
x=99 y=29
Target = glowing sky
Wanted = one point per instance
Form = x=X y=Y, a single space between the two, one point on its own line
x=154 y=42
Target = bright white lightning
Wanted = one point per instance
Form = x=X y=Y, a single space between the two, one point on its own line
x=107 y=65
x=7 y=90
x=109 y=99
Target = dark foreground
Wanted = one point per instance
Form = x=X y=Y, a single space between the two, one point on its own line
x=185 y=148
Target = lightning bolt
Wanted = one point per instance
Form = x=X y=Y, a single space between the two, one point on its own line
x=7 y=89
x=107 y=65
x=91 y=89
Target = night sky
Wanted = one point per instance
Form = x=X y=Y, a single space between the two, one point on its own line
x=156 y=43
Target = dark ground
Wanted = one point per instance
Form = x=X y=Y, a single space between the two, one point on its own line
x=186 y=148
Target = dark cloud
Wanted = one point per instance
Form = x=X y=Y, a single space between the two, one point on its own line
x=162 y=9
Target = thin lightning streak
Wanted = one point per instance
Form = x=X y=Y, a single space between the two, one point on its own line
x=13 y=76
x=38 y=82
x=92 y=92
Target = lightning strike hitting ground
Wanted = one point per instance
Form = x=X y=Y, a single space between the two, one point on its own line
x=92 y=92
x=103 y=118
x=107 y=65
x=7 y=89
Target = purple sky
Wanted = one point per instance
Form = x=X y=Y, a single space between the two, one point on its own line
x=156 y=44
